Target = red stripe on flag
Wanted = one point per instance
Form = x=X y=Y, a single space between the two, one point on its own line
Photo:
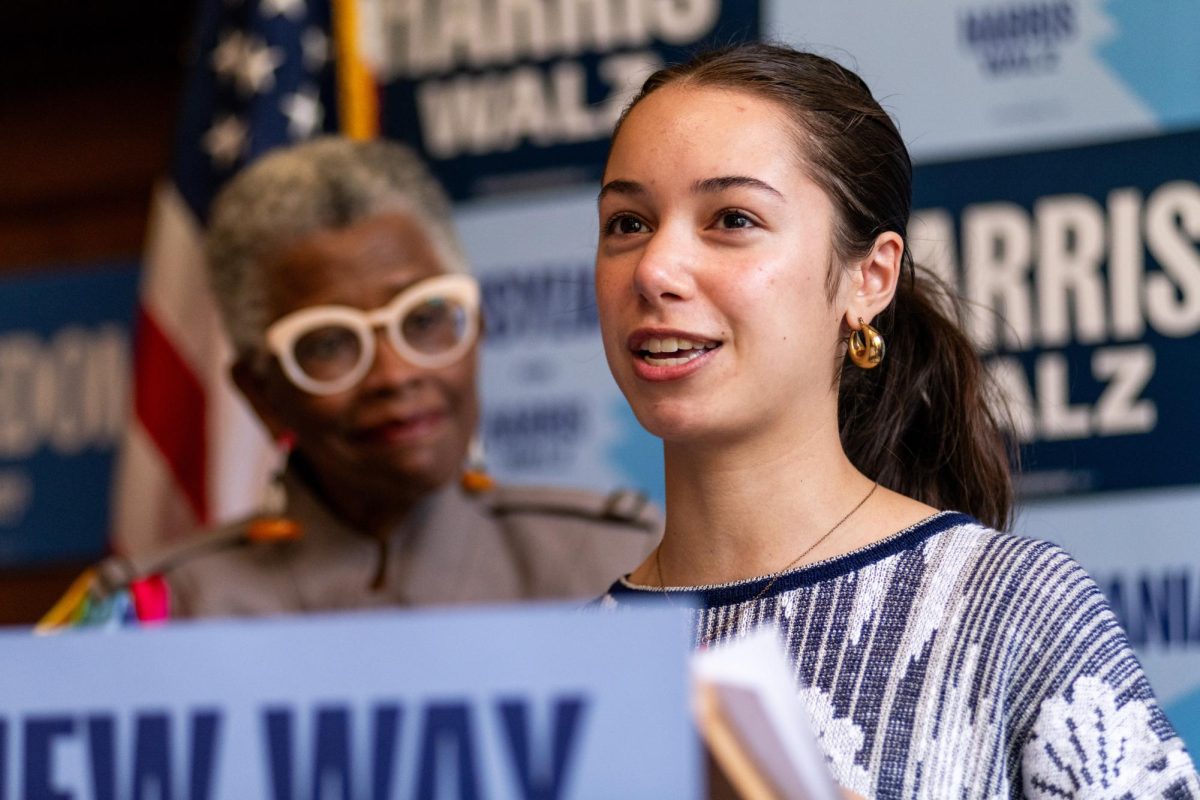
x=170 y=402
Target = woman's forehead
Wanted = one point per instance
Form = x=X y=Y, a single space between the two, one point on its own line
x=722 y=123
x=361 y=265
x=697 y=136
x=683 y=102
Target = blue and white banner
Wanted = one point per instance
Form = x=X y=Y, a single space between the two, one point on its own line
x=1081 y=268
x=505 y=96
x=538 y=703
x=551 y=410
x=985 y=76
x=64 y=396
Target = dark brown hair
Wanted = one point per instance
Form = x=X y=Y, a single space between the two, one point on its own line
x=920 y=423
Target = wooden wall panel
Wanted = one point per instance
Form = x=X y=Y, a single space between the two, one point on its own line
x=79 y=167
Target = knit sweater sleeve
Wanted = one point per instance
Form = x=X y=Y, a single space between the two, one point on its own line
x=1098 y=730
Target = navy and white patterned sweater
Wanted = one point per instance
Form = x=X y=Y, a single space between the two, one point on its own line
x=954 y=661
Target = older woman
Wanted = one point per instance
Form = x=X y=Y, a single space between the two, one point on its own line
x=355 y=323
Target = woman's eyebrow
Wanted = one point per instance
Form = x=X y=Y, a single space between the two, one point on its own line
x=706 y=186
x=712 y=185
x=621 y=187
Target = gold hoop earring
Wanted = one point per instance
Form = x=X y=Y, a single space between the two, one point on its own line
x=866 y=346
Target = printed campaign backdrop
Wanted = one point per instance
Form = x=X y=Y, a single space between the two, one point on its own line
x=970 y=77
x=504 y=96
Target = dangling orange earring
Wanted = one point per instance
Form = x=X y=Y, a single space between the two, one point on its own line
x=272 y=523
x=866 y=346
x=475 y=478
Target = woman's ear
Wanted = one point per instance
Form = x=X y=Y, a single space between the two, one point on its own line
x=873 y=280
x=254 y=385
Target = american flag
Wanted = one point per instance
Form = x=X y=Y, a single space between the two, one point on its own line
x=262 y=75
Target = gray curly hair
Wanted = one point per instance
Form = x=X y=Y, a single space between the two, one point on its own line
x=327 y=183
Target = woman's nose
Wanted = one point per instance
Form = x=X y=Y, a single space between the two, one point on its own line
x=664 y=271
x=389 y=369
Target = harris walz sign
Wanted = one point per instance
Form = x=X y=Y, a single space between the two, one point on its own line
x=1081 y=271
x=501 y=96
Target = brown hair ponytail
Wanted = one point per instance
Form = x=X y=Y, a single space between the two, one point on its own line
x=921 y=423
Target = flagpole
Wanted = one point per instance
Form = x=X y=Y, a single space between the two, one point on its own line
x=358 y=101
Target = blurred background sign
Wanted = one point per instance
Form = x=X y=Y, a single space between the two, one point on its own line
x=64 y=394
x=1083 y=275
x=503 y=97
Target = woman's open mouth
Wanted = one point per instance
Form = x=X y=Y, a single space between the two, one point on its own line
x=672 y=351
x=665 y=356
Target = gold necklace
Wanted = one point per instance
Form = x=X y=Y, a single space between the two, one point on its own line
x=662 y=583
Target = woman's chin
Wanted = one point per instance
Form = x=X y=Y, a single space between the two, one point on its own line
x=698 y=426
x=675 y=425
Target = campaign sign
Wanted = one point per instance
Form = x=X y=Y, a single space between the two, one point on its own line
x=1004 y=75
x=542 y=702
x=552 y=413
x=64 y=389
x=1081 y=270
x=507 y=96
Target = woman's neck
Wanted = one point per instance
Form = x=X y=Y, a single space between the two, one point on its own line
x=751 y=508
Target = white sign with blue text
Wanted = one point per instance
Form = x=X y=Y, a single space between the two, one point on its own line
x=536 y=702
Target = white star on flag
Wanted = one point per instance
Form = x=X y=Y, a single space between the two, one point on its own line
x=304 y=112
x=226 y=140
x=257 y=72
x=315 y=45
x=292 y=9
x=228 y=55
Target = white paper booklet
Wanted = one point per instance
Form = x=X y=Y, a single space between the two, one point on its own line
x=754 y=724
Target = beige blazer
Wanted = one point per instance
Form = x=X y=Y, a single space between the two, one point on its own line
x=506 y=544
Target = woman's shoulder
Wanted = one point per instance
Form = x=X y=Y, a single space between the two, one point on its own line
x=1018 y=598
x=991 y=566
x=1012 y=557
x=1030 y=621
x=953 y=545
